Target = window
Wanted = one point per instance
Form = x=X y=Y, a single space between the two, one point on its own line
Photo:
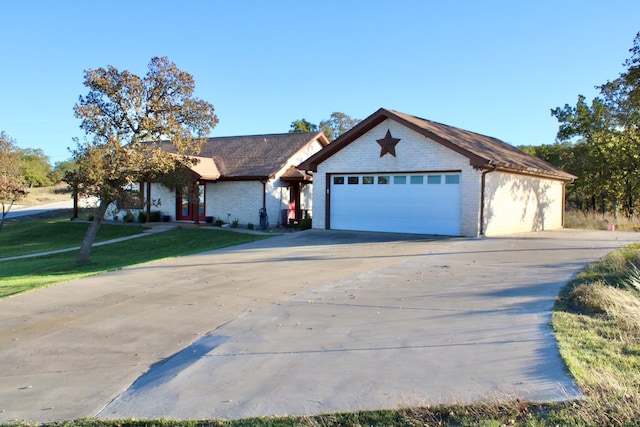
x=338 y=180
x=452 y=179
x=417 y=179
x=383 y=180
x=131 y=197
x=399 y=179
x=367 y=180
x=434 y=179
x=353 y=180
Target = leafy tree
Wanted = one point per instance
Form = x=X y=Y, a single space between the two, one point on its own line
x=569 y=157
x=128 y=116
x=303 y=125
x=12 y=185
x=60 y=169
x=35 y=167
x=559 y=154
x=609 y=132
x=337 y=124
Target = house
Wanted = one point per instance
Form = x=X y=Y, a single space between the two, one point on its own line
x=236 y=177
x=394 y=172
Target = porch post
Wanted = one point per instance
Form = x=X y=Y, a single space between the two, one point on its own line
x=196 y=202
x=148 y=201
x=297 y=201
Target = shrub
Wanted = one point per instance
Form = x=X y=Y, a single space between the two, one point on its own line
x=155 y=216
x=218 y=222
x=128 y=217
x=234 y=223
x=250 y=226
x=142 y=217
x=90 y=217
x=305 y=224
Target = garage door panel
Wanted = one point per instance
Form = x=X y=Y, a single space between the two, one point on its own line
x=404 y=207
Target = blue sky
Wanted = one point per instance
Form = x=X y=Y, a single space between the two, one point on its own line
x=493 y=67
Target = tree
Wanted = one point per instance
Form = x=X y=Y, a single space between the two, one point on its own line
x=60 y=169
x=128 y=116
x=337 y=124
x=36 y=168
x=303 y=125
x=12 y=185
x=569 y=157
x=609 y=132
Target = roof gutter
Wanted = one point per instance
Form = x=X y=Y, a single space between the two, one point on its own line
x=482 y=195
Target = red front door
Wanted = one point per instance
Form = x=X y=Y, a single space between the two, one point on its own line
x=190 y=201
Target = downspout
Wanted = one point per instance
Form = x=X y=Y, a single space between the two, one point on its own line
x=482 y=196
x=264 y=194
x=564 y=202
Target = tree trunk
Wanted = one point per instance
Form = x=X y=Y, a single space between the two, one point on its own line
x=90 y=236
x=5 y=213
x=75 y=203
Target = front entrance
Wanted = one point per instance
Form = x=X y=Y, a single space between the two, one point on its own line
x=190 y=201
x=293 y=214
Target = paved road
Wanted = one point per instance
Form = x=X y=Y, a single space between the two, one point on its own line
x=308 y=322
x=17 y=211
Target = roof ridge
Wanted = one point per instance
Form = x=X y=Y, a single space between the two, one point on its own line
x=264 y=135
x=451 y=127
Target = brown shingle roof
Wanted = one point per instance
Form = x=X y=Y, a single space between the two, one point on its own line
x=254 y=156
x=205 y=168
x=293 y=174
x=483 y=151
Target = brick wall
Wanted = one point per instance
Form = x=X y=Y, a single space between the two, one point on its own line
x=243 y=199
x=163 y=200
x=520 y=203
x=229 y=200
x=414 y=152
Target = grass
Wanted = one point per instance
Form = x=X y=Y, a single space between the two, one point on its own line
x=596 y=221
x=596 y=320
x=597 y=324
x=27 y=237
x=26 y=274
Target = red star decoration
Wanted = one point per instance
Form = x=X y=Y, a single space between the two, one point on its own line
x=388 y=144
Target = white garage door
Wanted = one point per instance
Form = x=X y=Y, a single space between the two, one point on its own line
x=402 y=203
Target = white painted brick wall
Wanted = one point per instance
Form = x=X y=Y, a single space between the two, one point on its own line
x=519 y=203
x=414 y=152
x=243 y=199
x=163 y=200
x=234 y=199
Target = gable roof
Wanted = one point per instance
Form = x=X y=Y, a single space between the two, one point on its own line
x=252 y=156
x=205 y=168
x=483 y=151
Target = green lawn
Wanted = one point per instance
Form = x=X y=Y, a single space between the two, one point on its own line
x=30 y=273
x=27 y=237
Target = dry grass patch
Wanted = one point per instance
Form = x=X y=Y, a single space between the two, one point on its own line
x=597 y=324
x=42 y=195
x=596 y=221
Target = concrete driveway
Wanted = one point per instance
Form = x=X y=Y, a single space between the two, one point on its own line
x=305 y=323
